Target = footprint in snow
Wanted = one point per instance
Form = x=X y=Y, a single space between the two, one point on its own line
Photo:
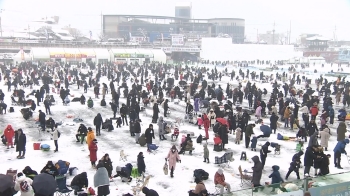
x=163 y=184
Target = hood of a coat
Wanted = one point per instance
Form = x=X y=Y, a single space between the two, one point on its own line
x=160 y=119
x=275 y=168
x=255 y=159
x=9 y=127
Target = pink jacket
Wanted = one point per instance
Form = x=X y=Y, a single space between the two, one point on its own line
x=173 y=158
x=200 y=121
x=258 y=111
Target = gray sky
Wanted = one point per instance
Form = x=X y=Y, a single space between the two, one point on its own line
x=306 y=16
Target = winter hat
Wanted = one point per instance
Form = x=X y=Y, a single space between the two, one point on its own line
x=90 y=129
x=19 y=174
x=220 y=171
x=173 y=147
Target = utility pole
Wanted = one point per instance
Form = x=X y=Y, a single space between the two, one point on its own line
x=273 y=33
x=101 y=37
x=290 y=30
x=29 y=31
x=0 y=23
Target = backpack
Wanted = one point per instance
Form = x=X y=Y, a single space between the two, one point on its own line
x=58 y=134
x=24 y=186
x=200 y=174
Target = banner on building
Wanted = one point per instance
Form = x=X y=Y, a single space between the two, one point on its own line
x=177 y=40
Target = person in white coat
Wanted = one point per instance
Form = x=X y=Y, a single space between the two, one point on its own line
x=54 y=135
x=325 y=134
x=212 y=117
x=24 y=185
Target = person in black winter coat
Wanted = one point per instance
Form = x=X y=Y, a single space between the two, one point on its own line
x=149 y=192
x=50 y=169
x=263 y=153
x=42 y=120
x=223 y=135
x=149 y=134
x=20 y=142
x=273 y=122
x=312 y=127
x=79 y=182
x=189 y=107
x=124 y=112
x=166 y=107
x=114 y=108
x=107 y=163
x=155 y=113
x=137 y=130
x=82 y=132
x=141 y=166
x=47 y=105
x=309 y=158
x=50 y=123
x=29 y=172
x=98 y=122
x=294 y=166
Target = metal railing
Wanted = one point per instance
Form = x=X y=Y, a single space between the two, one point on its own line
x=314 y=184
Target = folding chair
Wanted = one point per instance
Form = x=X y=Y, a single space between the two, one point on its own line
x=245 y=179
x=62 y=189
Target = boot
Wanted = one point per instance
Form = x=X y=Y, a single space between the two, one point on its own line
x=172 y=172
x=205 y=160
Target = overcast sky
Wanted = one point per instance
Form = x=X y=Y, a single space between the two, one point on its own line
x=306 y=16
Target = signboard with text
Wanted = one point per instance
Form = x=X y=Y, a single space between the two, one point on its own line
x=177 y=40
x=175 y=49
x=340 y=189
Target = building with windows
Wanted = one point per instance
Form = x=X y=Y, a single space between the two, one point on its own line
x=158 y=29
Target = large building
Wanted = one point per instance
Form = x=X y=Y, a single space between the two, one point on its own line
x=147 y=28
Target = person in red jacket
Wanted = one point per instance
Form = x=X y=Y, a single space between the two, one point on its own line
x=219 y=181
x=9 y=133
x=206 y=124
x=93 y=152
x=314 y=111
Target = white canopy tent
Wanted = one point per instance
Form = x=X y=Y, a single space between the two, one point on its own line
x=102 y=55
x=159 y=55
x=40 y=53
x=19 y=58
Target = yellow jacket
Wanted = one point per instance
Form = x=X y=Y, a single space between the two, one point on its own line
x=90 y=137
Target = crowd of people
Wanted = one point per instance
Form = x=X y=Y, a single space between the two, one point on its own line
x=204 y=103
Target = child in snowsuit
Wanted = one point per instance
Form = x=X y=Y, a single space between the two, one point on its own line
x=119 y=122
x=253 y=143
x=276 y=178
x=294 y=166
x=206 y=153
x=238 y=135
x=199 y=122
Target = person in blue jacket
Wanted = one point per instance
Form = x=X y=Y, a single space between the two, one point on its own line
x=338 y=150
x=275 y=177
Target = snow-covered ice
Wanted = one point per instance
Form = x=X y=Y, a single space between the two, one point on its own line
x=120 y=139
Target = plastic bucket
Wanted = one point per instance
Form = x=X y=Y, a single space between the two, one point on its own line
x=36 y=146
